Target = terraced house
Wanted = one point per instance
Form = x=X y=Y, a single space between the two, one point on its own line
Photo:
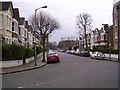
x=29 y=34
x=6 y=14
x=116 y=21
x=15 y=29
x=22 y=32
x=15 y=26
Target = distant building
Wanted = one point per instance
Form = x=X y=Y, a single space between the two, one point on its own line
x=67 y=44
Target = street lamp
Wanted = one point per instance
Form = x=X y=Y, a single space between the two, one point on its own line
x=48 y=42
x=36 y=29
x=118 y=10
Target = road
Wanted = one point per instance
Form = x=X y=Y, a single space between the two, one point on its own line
x=71 y=72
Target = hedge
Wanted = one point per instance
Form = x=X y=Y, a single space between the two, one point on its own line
x=105 y=49
x=29 y=53
x=15 y=52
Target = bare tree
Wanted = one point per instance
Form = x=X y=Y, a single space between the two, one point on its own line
x=45 y=25
x=84 y=22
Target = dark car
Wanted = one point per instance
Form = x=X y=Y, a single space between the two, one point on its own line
x=84 y=53
x=53 y=57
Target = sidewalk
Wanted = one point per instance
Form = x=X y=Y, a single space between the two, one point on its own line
x=24 y=67
x=111 y=59
x=107 y=59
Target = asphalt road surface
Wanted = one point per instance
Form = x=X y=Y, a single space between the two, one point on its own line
x=71 y=72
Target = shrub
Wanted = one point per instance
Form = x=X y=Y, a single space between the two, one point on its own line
x=105 y=49
x=16 y=52
x=114 y=51
x=29 y=52
x=12 y=52
x=5 y=52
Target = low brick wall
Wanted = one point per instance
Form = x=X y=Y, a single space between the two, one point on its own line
x=29 y=59
x=112 y=55
x=5 y=64
x=12 y=63
x=107 y=55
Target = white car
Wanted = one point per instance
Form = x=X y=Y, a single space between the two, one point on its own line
x=68 y=51
x=72 y=51
x=97 y=55
x=77 y=52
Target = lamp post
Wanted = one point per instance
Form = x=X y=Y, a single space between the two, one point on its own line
x=109 y=42
x=36 y=29
x=118 y=10
x=48 y=42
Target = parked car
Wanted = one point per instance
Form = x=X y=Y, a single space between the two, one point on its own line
x=72 y=51
x=84 y=53
x=52 y=57
x=62 y=50
x=68 y=51
x=77 y=52
x=97 y=55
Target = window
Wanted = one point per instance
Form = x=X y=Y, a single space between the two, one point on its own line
x=9 y=23
x=19 y=31
x=25 y=33
x=0 y=21
x=115 y=21
x=115 y=10
x=102 y=37
x=116 y=35
x=16 y=27
x=13 y=26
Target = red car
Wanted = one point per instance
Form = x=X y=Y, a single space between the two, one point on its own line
x=53 y=57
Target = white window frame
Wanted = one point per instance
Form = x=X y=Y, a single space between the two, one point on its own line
x=1 y=21
x=115 y=21
x=116 y=35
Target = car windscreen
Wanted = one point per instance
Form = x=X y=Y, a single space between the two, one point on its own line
x=52 y=54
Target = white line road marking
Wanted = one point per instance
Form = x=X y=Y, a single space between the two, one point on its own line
x=61 y=78
x=53 y=80
x=37 y=84
x=21 y=87
x=42 y=83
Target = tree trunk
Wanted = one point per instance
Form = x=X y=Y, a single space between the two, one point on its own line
x=86 y=42
x=43 y=50
x=85 y=38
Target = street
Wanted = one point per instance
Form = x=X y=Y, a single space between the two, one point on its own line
x=71 y=72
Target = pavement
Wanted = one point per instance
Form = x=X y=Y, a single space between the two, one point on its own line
x=24 y=67
x=111 y=59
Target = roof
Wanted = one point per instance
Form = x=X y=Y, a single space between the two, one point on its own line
x=21 y=21
x=30 y=28
x=26 y=24
x=16 y=14
x=6 y=5
x=102 y=30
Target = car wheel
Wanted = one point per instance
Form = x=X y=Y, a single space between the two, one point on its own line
x=48 y=62
x=58 y=61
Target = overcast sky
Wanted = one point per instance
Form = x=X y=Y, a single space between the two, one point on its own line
x=65 y=11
